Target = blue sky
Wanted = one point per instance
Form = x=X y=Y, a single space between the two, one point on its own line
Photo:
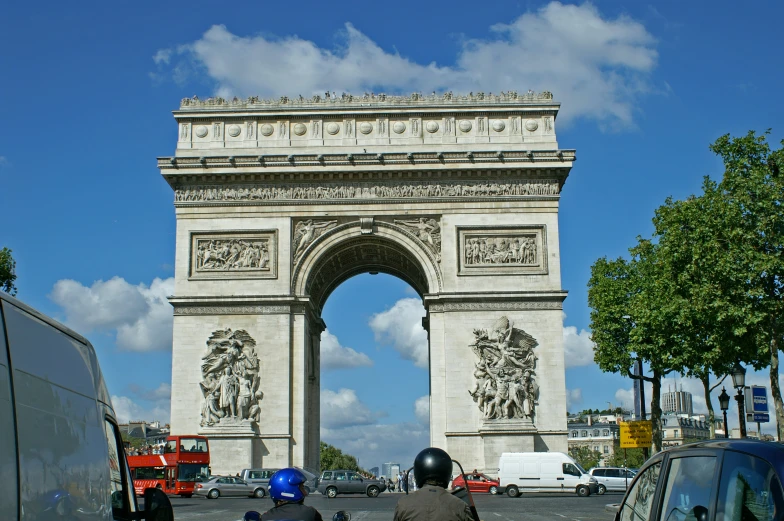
x=86 y=107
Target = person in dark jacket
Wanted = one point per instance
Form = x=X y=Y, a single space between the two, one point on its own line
x=432 y=502
x=287 y=490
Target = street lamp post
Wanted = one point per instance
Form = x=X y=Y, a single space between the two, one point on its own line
x=724 y=403
x=739 y=382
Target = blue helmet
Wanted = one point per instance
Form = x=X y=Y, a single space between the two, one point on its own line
x=285 y=484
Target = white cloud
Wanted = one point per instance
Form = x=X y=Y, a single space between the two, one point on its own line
x=140 y=315
x=126 y=409
x=422 y=409
x=625 y=398
x=343 y=409
x=162 y=392
x=578 y=347
x=597 y=67
x=401 y=326
x=380 y=443
x=574 y=398
x=336 y=356
x=4 y=161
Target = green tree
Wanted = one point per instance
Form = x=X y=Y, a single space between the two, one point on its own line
x=7 y=271
x=708 y=316
x=332 y=458
x=586 y=457
x=132 y=440
x=630 y=458
x=753 y=189
x=622 y=295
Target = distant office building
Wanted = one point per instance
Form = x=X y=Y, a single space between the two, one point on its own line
x=677 y=402
x=374 y=471
x=389 y=470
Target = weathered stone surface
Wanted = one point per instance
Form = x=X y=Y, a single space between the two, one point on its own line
x=456 y=195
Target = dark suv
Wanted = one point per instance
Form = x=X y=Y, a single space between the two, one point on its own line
x=728 y=480
x=334 y=482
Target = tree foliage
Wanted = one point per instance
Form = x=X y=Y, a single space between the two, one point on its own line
x=585 y=456
x=7 y=271
x=630 y=458
x=707 y=289
x=333 y=458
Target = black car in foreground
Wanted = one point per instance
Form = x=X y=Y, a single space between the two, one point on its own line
x=715 y=480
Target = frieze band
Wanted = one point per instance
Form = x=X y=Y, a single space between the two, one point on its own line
x=496 y=306
x=230 y=310
x=398 y=190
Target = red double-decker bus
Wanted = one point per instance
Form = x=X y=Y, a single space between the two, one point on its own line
x=185 y=459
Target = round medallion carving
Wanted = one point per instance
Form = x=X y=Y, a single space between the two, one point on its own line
x=299 y=129
x=499 y=125
x=234 y=130
x=365 y=128
x=266 y=129
x=201 y=131
x=431 y=126
x=465 y=126
x=333 y=128
x=531 y=125
x=399 y=127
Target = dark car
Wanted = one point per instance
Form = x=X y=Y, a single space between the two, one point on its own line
x=716 y=480
x=334 y=482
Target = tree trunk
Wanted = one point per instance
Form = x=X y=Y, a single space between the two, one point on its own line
x=775 y=390
x=656 y=411
x=711 y=416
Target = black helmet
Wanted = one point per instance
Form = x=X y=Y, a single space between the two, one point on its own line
x=432 y=464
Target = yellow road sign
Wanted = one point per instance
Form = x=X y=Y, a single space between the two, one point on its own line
x=636 y=435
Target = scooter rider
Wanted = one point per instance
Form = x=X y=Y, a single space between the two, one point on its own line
x=432 y=502
x=287 y=490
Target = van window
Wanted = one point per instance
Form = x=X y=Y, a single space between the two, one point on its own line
x=326 y=475
x=571 y=470
x=639 y=500
x=120 y=484
x=749 y=489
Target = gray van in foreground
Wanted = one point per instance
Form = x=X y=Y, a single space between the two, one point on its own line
x=61 y=454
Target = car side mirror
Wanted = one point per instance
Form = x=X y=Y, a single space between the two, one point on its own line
x=157 y=506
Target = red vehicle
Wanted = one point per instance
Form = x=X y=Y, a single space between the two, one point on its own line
x=185 y=460
x=477 y=482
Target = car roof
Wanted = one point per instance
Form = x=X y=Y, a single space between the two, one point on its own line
x=770 y=451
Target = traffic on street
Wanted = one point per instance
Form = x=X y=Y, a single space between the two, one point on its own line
x=530 y=507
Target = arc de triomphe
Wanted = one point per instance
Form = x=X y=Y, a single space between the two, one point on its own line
x=278 y=202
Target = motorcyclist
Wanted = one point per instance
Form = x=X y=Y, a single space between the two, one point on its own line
x=287 y=490
x=432 y=502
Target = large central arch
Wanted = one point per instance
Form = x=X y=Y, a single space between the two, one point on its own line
x=279 y=202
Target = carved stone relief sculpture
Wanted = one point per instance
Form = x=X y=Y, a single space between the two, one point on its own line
x=428 y=231
x=505 y=250
x=505 y=373
x=375 y=190
x=307 y=231
x=233 y=254
x=230 y=379
x=516 y=250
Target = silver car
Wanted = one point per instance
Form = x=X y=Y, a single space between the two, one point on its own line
x=615 y=479
x=218 y=486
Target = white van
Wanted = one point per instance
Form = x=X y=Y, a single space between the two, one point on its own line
x=61 y=454
x=542 y=472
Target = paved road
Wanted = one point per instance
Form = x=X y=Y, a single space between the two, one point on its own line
x=529 y=507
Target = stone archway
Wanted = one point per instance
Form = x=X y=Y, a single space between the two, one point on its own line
x=278 y=202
